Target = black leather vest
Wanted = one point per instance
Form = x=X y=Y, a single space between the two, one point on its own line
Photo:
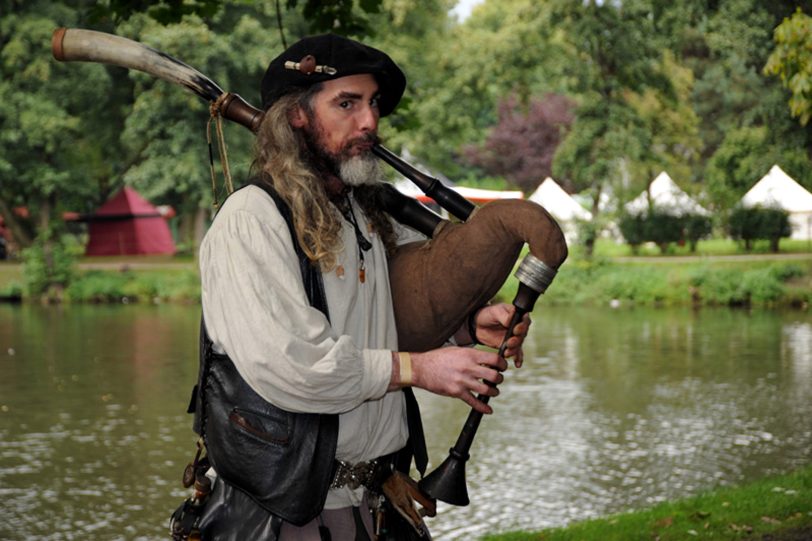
x=283 y=460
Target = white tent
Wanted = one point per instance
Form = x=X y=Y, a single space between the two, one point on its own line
x=566 y=210
x=559 y=203
x=777 y=189
x=665 y=196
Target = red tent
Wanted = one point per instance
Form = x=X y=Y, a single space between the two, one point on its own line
x=128 y=224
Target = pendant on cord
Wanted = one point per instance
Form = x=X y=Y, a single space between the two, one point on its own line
x=363 y=244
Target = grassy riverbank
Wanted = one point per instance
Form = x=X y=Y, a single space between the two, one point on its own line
x=676 y=281
x=777 y=509
x=614 y=277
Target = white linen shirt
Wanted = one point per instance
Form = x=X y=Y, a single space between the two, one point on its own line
x=256 y=310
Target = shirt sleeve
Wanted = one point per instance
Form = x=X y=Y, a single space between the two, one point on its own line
x=256 y=310
x=405 y=234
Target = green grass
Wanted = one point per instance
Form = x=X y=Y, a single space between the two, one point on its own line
x=142 y=285
x=779 y=506
x=650 y=281
x=672 y=282
x=609 y=248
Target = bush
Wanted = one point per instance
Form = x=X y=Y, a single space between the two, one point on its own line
x=734 y=287
x=663 y=229
x=632 y=227
x=144 y=286
x=750 y=224
x=697 y=227
x=50 y=264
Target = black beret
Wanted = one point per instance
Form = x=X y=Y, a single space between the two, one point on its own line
x=322 y=58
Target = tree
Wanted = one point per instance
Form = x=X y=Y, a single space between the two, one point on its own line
x=744 y=157
x=165 y=134
x=57 y=123
x=339 y=16
x=750 y=224
x=791 y=61
x=504 y=48
x=521 y=146
x=615 y=58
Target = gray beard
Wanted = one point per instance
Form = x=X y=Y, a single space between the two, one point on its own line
x=360 y=170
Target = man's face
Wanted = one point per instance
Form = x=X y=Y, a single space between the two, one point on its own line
x=342 y=124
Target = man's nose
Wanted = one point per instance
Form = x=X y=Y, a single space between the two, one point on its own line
x=368 y=118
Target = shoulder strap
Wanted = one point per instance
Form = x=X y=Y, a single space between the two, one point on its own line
x=311 y=275
x=314 y=289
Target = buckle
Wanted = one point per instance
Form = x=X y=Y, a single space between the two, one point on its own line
x=355 y=475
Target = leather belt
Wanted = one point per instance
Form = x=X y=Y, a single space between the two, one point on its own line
x=369 y=474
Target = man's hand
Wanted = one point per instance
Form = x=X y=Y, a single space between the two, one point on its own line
x=491 y=325
x=455 y=371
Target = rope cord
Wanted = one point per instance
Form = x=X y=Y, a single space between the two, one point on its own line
x=217 y=117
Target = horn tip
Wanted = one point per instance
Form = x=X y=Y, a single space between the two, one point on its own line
x=56 y=43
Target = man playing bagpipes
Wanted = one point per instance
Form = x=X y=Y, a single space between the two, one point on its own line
x=300 y=398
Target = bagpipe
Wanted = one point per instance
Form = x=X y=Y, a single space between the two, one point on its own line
x=435 y=283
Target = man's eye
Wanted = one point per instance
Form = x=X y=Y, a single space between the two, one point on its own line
x=345 y=104
x=374 y=102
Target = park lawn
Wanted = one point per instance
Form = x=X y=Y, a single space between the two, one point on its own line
x=609 y=248
x=776 y=508
x=764 y=280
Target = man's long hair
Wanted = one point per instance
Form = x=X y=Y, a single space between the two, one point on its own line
x=279 y=161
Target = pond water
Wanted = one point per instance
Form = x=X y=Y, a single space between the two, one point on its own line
x=613 y=410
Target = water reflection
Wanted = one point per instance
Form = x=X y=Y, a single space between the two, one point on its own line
x=623 y=409
x=613 y=410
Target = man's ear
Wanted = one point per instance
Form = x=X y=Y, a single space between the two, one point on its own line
x=297 y=117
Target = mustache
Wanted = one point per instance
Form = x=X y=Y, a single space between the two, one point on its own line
x=365 y=142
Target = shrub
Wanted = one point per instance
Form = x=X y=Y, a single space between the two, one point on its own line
x=632 y=227
x=750 y=224
x=697 y=227
x=50 y=264
x=663 y=228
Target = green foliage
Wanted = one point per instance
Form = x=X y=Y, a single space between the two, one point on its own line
x=521 y=146
x=672 y=124
x=165 y=11
x=745 y=155
x=458 y=73
x=614 y=59
x=128 y=286
x=657 y=85
x=50 y=264
x=339 y=16
x=791 y=61
x=750 y=224
x=633 y=229
x=663 y=228
x=738 y=287
x=55 y=119
x=600 y=282
x=696 y=228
